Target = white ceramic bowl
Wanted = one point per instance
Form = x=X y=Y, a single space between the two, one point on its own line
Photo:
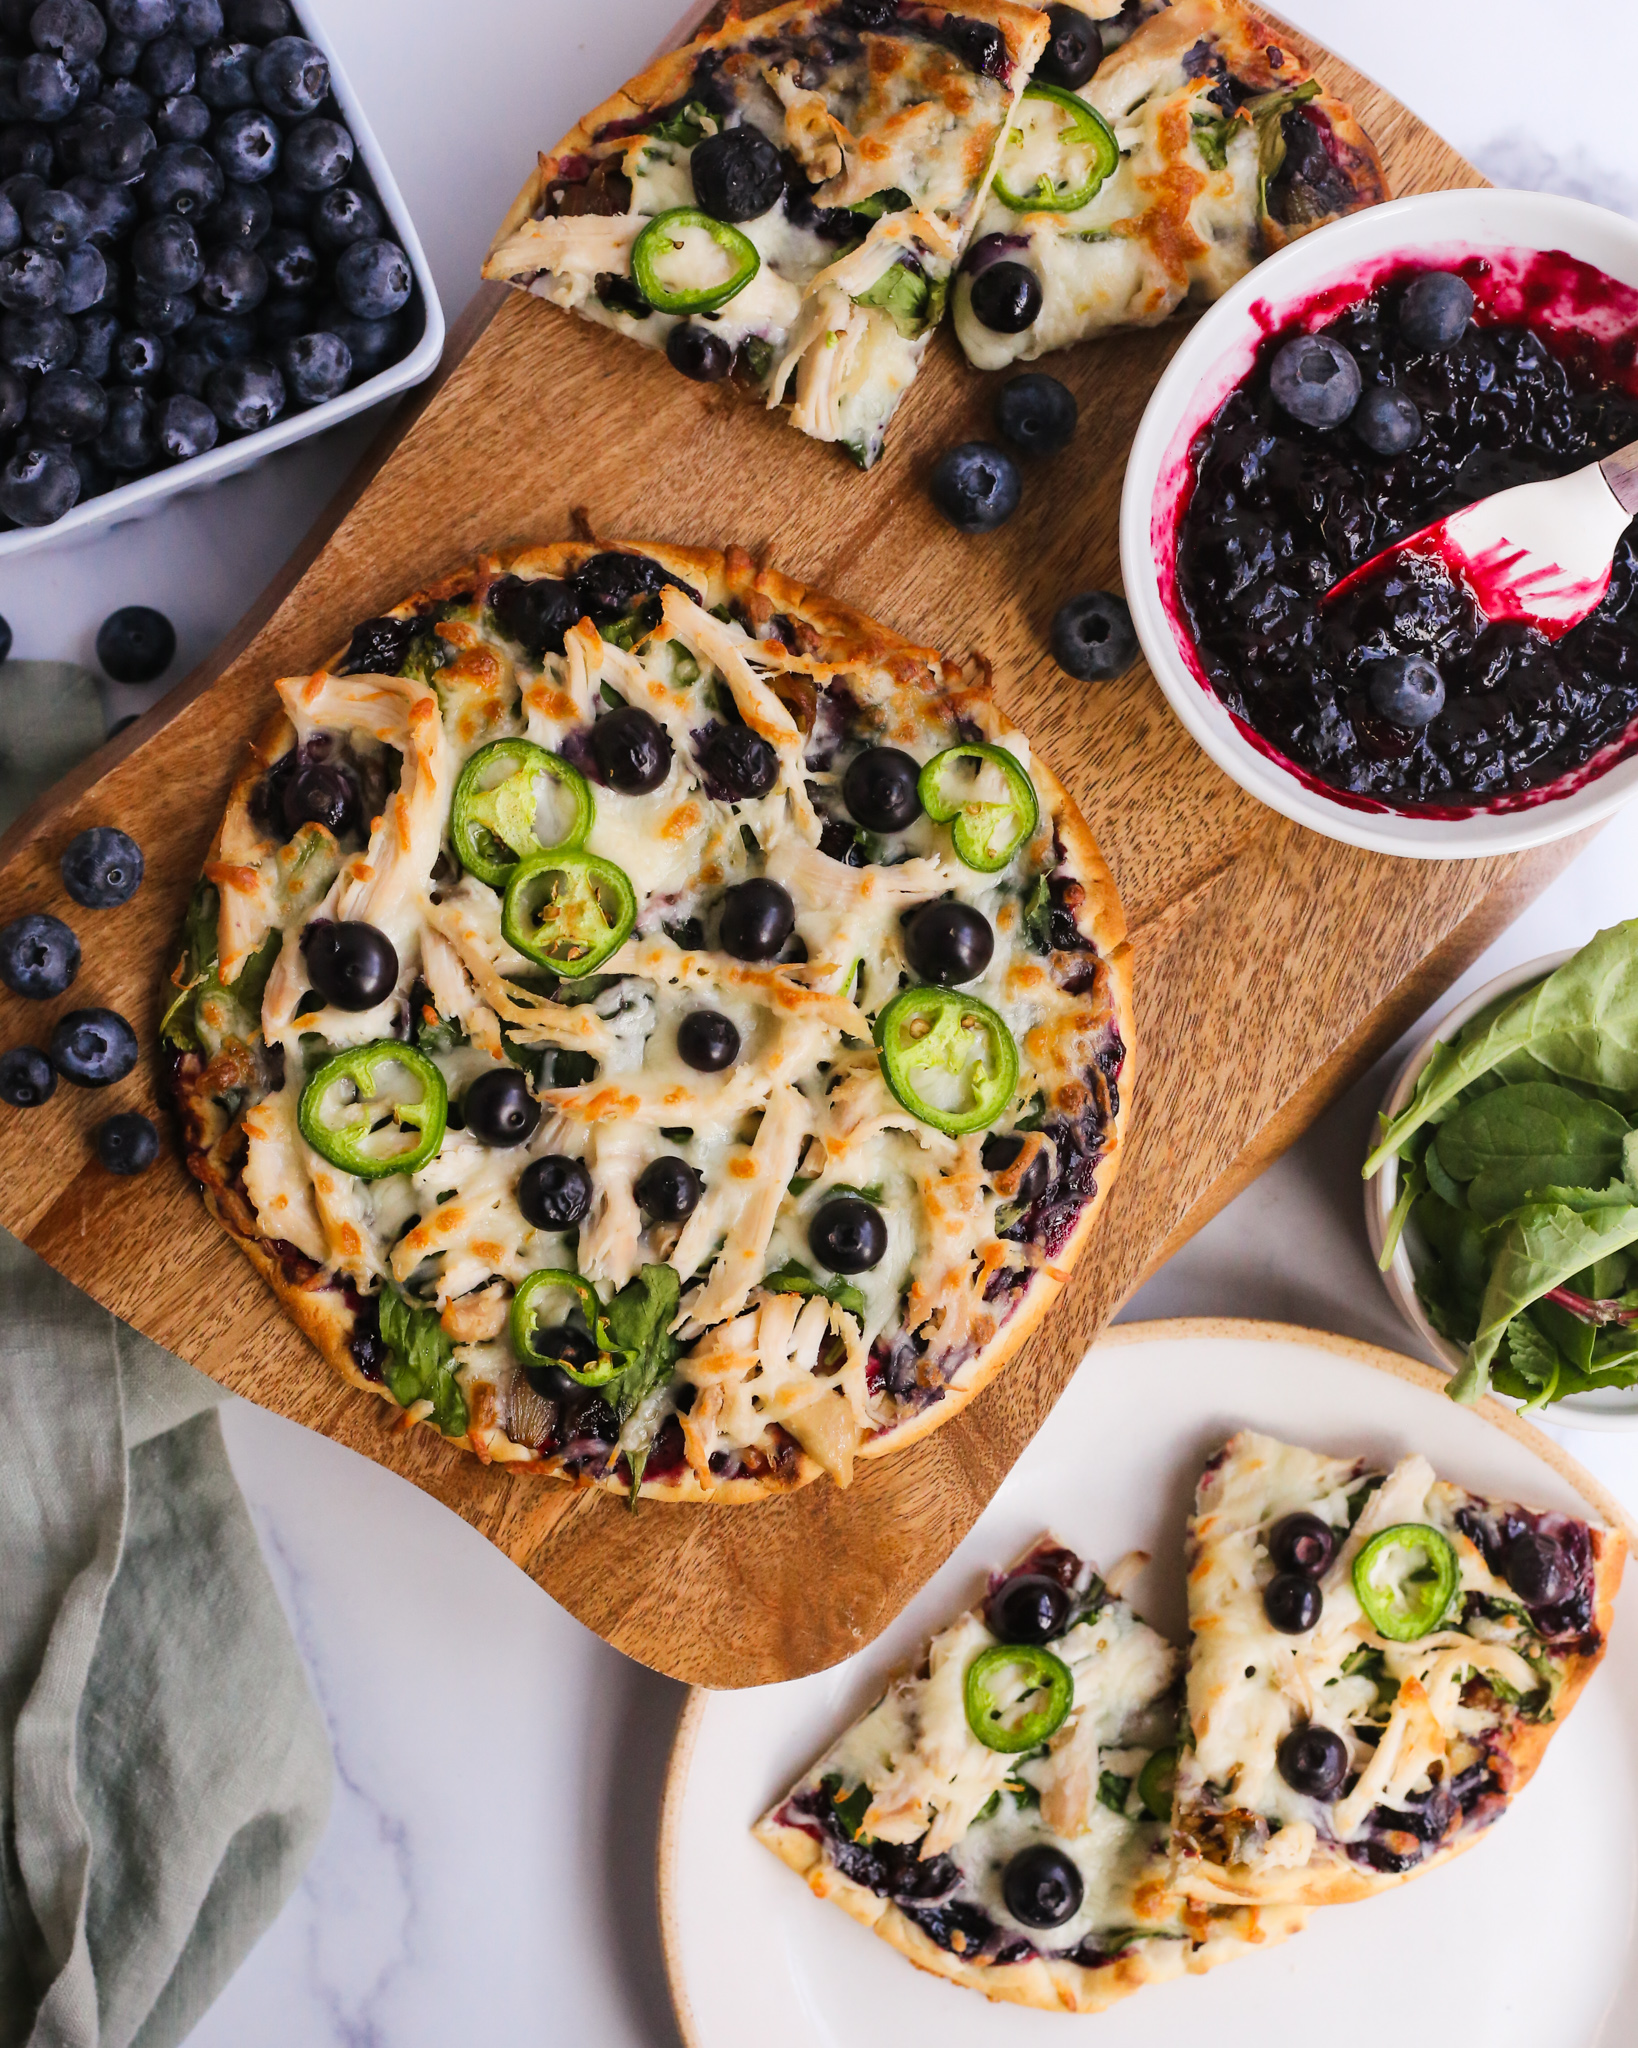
x=1611 y=1408
x=145 y=494
x=1437 y=228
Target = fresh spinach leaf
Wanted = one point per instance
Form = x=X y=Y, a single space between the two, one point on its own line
x=1542 y=1246
x=1510 y=1141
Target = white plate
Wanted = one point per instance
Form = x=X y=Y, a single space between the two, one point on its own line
x=1525 y=1943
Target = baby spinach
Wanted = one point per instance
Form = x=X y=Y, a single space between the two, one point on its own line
x=421 y=1362
x=639 y=1326
x=1544 y=1245
x=1510 y=1141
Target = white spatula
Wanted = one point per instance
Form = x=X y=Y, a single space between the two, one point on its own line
x=1540 y=552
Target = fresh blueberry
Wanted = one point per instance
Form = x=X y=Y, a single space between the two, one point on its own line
x=221 y=339
x=30 y=281
x=11 y=225
x=136 y=644
x=143 y=19
x=127 y=1143
x=1435 y=310
x=183 y=117
x=45 y=89
x=165 y=255
x=758 y=918
x=39 y=956
x=243 y=214
x=283 y=316
x=848 y=1235
x=292 y=77
x=291 y=206
x=93 y=352
x=38 y=485
x=102 y=868
x=126 y=442
x=13 y=404
x=879 y=789
x=370 y=342
x=120 y=57
x=94 y=479
x=246 y=397
x=1035 y=412
x=56 y=221
x=555 y=1193
x=35 y=343
x=26 y=147
x=1405 y=689
x=187 y=427
x=68 y=406
x=162 y=312
x=1006 y=297
x=246 y=146
x=344 y=215
x=127 y=99
x=1074 y=49
x=112 y=209
x=85 y=280
x=1313 y=1761
x=168 y=66
x=1387 y=421
x=258 y=21
x=26 y=1077
x=73 y=29
x=235 y=281
x=139 y=357
x=225 y=78
x=948 y=942
x=351 y=964
x=668 y=1189
x=1316 y=380
x=316 y=367
x=317 y=154
x=199 y=20
x=975 y=486
x=114 y=149
x=292 y=261
x=373 y=279
x=1092 y=636
x=183 y=179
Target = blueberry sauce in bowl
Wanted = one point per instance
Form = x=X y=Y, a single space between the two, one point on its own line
x=1279 y=509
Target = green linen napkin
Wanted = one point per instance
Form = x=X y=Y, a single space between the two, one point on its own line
x=164 y=1771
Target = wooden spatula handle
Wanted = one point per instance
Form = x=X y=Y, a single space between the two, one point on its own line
x=1620 y=472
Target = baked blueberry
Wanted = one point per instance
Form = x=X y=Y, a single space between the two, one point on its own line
x=948 y=942
x=1093 y=637
x=85 y=280
x=739 y=761
x=1302 y=1543
x=499 y=1108
x=975 y=486
x=68 y=406
x=848 y=1234
x=879 y=789
x=1028 y=1608
x=1537 y=1569
x=246 y=146
x=73 y=29
x=291 y=77
x=555 y=1193
x=707 y=1041
x=226 y=80
x=699 y=352
x=1042 y=1886
x=1313 y=1761
x=373 y=279
x=1405 y=689
x=1074 y=49
x=39 y=956
x=344 y=215
x=38 y=485
x=136 y=644
x=165 y=254
x=31 y=281
x=1387 y=420
x=536 y=612
x=1435 y=309
x=182 y=117
x=322 y=794
x=317 y=154
x=1292 y=1602
x=738 y=174
x=999 y=1151
x=668 y=1189
x=758 y=918
x=127 y=1143
x=1006 y=297
x=632 y=750
x=93 y=1048
x=351 y=964
x=186 y=427
x=245 y=396
x=315 y=367
x=1035 y=412
x=168 y=66
x=102 y=867
x=1316 y=380
x=26 y=1077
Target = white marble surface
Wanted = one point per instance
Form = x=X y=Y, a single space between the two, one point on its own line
x=488 y=1871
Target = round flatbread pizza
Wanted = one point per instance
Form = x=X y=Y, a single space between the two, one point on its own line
x=653 y=1024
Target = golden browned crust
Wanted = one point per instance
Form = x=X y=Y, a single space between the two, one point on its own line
x=843 y=636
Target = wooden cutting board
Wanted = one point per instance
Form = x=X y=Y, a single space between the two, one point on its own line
x=1272 y=965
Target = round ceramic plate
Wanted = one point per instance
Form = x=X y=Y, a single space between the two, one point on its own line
x=1525 y=1941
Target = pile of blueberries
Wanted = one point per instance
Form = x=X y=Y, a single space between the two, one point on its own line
x=189 y=247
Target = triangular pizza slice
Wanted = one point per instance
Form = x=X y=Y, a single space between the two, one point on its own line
x=1378 y=1661
x=999 y=1815
x=784 y=200
x=1161 y=173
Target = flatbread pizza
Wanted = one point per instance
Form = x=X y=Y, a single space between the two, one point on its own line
x=652 y=1024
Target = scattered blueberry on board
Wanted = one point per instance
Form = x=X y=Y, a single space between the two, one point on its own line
x=975 y=486
x=189 y=246
x=136 y=644
x=1035 y=412
x=39 y=956
x=102 y=868
x=127 y=1143
x=1093 y=637
x=93 y=1048
x=26 y=1077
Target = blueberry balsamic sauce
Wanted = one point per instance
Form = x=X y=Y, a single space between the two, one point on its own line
x=1399 y=693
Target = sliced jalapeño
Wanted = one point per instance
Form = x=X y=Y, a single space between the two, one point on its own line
x=674 y=243
x=948 y=1058
x=1406 y=1578
x=568 y=910
x=1016 y=1695
x=375 y=1109
x=991 y=821
x=536 y=1316
x=497 y=798
x=1068 y=147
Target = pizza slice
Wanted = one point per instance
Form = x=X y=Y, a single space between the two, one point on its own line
x=1198 y=144
x=999 y=1815
x=1378 y=1661
x=784 y=200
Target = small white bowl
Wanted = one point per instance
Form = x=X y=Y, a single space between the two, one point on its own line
x=1436 y=228
x=1611 y=1408
x=145 y=494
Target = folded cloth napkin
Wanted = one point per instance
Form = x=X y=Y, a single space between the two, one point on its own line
x=164 y=1771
